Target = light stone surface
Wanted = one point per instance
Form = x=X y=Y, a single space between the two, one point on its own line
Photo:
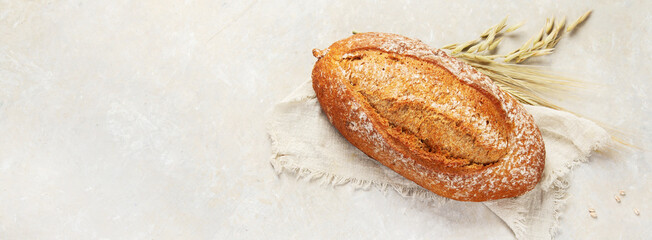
x=146 y=119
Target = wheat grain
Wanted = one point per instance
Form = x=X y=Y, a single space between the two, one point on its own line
x=501 y=25
x=513 y=28
x=461 y=47
x=578 y=21
x=483 y=46
x=527 y=44
x=512 y=56
x=495 y=43
x=473 y=49
x=549 y=23
x=523 y=56
x=542 y=52
x=450 y=46
x=557 y=32
x=495 y=29
x=480 y=58
x=549 y=39
x=486 y=32
x=487 y=42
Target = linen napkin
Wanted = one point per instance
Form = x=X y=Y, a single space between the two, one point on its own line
x=304 y=143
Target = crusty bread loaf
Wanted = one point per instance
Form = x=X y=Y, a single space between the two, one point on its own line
x=428 y=116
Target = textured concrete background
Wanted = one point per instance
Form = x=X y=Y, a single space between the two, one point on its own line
x=146 y=119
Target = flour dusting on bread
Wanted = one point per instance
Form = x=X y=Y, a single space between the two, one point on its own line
x=429 y=117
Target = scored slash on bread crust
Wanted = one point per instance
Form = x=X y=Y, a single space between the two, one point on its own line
x=429 y=117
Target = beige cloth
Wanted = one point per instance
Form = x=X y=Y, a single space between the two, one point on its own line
x=306 y=144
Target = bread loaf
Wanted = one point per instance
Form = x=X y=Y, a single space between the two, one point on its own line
x=428 y=116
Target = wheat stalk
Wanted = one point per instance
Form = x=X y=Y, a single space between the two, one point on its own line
x=526 y=83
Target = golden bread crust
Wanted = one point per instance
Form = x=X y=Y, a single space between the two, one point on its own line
x=429 y=117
